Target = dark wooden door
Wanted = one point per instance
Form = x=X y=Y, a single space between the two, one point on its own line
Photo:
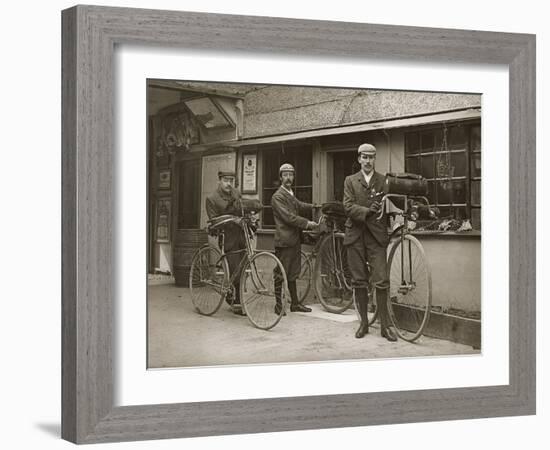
x=344 y=164
x=189 y=194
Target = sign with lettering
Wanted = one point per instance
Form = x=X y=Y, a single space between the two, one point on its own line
x=250 y=173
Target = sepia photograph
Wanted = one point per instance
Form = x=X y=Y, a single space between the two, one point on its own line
x=294 y=224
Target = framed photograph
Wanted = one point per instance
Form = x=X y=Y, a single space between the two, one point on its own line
x=165 y=179
x=249 y=175
x=450 y=135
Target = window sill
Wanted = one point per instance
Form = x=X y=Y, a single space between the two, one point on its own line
x=427 y=233
x=431 y=233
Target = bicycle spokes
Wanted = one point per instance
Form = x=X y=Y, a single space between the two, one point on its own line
x=410 y=288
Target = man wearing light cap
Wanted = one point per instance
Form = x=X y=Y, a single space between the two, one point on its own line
x=226 y=199
x=367 y=239
x=289 y=223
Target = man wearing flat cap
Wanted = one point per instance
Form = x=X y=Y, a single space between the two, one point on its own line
x=226 y=199
x=366 y=239
x=289 y=223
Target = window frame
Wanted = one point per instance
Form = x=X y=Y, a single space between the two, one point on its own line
x=466 y=148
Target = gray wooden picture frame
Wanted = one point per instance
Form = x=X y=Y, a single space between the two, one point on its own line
x=90 y=34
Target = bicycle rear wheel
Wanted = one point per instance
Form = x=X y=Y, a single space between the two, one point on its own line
x=258 y=290
x=208 y=280
x=303 y=283
x=410 y=295
x=331 y=275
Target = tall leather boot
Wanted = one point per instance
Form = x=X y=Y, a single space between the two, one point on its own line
x=362 y=304
x=294 y=303
x=386 y=330
x=237 y=307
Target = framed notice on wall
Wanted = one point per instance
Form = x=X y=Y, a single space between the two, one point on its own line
x=250 y=173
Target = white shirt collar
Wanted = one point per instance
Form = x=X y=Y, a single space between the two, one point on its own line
x=369 y=176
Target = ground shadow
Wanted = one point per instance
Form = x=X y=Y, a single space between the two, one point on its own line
x=53 y=429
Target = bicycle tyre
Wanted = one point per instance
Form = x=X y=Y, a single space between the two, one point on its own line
x=410 y=294
x=208 y=280
x=331 y=277
x=303 y=283
x=258 y=290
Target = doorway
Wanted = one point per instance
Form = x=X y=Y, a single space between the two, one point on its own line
x=344 y=163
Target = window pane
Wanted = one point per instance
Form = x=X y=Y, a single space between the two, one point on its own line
x=268 y=193
x=431 y=140
x=475 y=159
x=303 y=194
x=460 y=213
x=475 y=138
x=443 y=165
x=459 y=191
x=475 y=187
x=458 y=164
x=445 y=212
x=413 y=165
x=457 y=137
x=427 y=166
x=444 y=190
x=427 y=141
x=431 y=192
x=412 y=143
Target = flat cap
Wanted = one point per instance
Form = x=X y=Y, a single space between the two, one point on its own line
x=367 y=148
x=226 y=173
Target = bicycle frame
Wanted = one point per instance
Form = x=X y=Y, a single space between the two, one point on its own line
x=244 y=222
x=403 y=230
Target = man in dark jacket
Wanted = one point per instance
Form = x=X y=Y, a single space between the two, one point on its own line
x=227 y=200
x=367 y=239
x=288 y=228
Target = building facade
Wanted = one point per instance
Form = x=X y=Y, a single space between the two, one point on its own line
x=195 y=129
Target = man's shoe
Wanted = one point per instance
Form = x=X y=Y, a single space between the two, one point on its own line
x=389 y=334
x=299 y=308
x=362 y=330
x=278 y=310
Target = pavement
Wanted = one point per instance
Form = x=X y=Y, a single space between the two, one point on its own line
x=180 y=337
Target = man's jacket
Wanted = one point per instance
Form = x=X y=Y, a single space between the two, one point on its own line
x=288 y=221
x=358 y=196
x=219 y=203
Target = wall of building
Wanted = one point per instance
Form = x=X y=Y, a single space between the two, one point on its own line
x=276 y=110
x=455 y=263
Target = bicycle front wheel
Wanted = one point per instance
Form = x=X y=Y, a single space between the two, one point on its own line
x=331 y=275
x=208 y=280
x=263 y=282
x=303 y=283
x=410 y=295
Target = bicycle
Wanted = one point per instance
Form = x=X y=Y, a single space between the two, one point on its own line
x=210 y=281
x=410 y=292
x=330 y=274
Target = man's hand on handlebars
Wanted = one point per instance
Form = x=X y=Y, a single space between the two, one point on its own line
x=311 y=225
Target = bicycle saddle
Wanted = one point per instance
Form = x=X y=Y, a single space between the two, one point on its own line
x=335 y=209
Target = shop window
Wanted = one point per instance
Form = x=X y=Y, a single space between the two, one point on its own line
x=449 y=156
x=272 y=158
